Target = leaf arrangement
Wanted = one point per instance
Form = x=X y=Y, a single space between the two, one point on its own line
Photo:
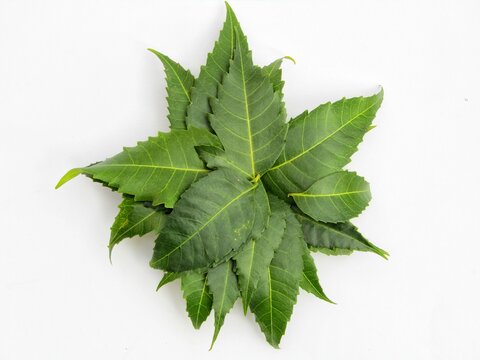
x=239 y=197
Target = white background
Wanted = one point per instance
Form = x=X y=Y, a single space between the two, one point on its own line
x=77 y=84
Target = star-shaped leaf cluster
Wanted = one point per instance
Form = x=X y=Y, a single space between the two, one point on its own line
x=238 y=196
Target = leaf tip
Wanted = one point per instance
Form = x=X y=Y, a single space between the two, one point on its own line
x=290 y=58
x=69 y=176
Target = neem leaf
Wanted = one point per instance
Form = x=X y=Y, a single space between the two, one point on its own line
x=167 y=278
x=310 y=280
x=135 y=218
x=157 y=170
x=223 y=286
x=198 y=298
x=179 y=85
x=335 y=198
x=321 y=142
x=277 y=289
x=213 y=218
x=248 y=116
x=211 y=74
x=274 y=72
x=335 y=239
x=332 y=252
x=253 y=261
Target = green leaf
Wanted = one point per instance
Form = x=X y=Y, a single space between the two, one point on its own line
x=338 y=239
x=135 y=218
x=218 y=63
x=213 y=218
x=198 y=298
x=248 y=116
x=157 y=170
x=321 y=142
x=332 y=252
x=261 y=208
x=337 y=197
x=167 y=278
x=179 y=85
x=277 y=290
x=223 y=285
x=310 y=282
x=274 y=72
x=253 y=261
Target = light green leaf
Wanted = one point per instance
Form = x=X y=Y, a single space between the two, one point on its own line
x=321 y=142
x=211 y=74
x=248 y=117
x=179 y=85
x=310 y=280
x=136 y=218
x=274 y=72
x=335 y=239
x=213 y=218
x=255 y=257
x=157 y=170
x=167 y=278
x=277 y=290
x=335 y=198
x=198 y=298
x=223 y=286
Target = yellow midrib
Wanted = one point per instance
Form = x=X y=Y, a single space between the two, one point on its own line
x=247 y=111
x=178 y=77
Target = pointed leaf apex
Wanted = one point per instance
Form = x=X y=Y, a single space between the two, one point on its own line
x=290 y=58
x=69 y=176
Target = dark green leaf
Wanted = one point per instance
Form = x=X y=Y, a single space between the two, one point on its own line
x=223 y=285
x=338 y=238
x=248 y=116
x=213 y=218
x=135 y=219
x=310 y=280
x=255 y=257
x=277 y=289
x=337 y=197
x=167 y=278
x=179 y=85
x=198 y=298
x=218 y=63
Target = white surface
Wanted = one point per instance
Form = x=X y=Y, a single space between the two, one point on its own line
x=76 y=84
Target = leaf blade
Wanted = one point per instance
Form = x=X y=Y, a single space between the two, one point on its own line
x=257 y=254
x=321 y=236
x=218 y=63
x=337 y=197
x=223 y=285
x=325 y=137
x=310 y=282
x=197 y=296
x=213 y=218
x=179 y=85
x=135 y=219
x=273 y=301
x=248 y=116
